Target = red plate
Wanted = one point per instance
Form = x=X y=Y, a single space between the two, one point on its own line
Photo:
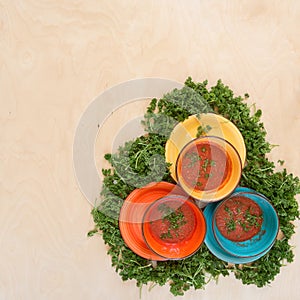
x=132 y=212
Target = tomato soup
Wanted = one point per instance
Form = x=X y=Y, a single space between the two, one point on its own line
x=239 y=218
x=172 y=223
x=205 y=166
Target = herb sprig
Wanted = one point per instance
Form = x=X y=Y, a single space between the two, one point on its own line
x=141 y=161
x=174 y=217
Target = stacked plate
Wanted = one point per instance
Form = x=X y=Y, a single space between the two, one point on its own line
x=161 y=222
x=236 y=249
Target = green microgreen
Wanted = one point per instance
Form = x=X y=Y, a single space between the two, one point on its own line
x=253 y=219
x=230 y=225
x=193 y=159
x=203 y=130
x=213 y=163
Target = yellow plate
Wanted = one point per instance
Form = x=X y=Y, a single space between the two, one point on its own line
x=186 y=131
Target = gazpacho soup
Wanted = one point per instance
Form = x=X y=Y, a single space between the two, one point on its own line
x=238 y=218
x=172 y=223
x=205 y=166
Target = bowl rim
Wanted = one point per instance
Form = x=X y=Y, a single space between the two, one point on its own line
x=182 y=199
x=263 y=198
x=208 y=137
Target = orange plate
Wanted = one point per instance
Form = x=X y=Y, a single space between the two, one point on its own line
x=188 y=244
x=132 y=212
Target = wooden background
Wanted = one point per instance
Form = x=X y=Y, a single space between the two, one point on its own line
x=57 y=56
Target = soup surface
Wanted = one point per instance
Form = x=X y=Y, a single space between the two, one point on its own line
x=205 y=166
x=172 y=223
x=239 y=218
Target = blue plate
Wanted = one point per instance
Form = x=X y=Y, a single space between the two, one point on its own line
x=263 y=240
x=241 y=189
x=215 y=248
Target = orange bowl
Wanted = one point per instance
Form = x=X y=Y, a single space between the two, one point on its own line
x=174 y=227
x=132 y=212
x=208 y=168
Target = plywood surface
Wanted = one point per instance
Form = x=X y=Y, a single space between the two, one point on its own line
x=57 y=56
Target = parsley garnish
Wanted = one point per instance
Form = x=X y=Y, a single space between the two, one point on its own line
x=193 y=157
x=175 y=219
x=247 y=220
x=203 y=130
x=230 y=225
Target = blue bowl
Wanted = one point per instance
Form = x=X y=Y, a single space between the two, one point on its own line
x=214 y=246
x=263 y=240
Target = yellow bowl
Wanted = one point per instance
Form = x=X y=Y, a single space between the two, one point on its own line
x=186 y=131
x=208 y=168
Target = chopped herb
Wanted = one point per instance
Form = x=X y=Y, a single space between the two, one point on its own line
x=203 y=130
x=246 y=220
x=230 y=225
x=228 y=210
x=212 y=163
x=244 y=225
x=253 y=219
x=205 y=164
x=175 y=217
x=166 y=235
x=193 y=157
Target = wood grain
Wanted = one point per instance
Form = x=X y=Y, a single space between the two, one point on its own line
x=56 y=56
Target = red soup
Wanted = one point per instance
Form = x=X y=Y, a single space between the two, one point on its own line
x=205 y=166
x=239 y=218
x=172 y=223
